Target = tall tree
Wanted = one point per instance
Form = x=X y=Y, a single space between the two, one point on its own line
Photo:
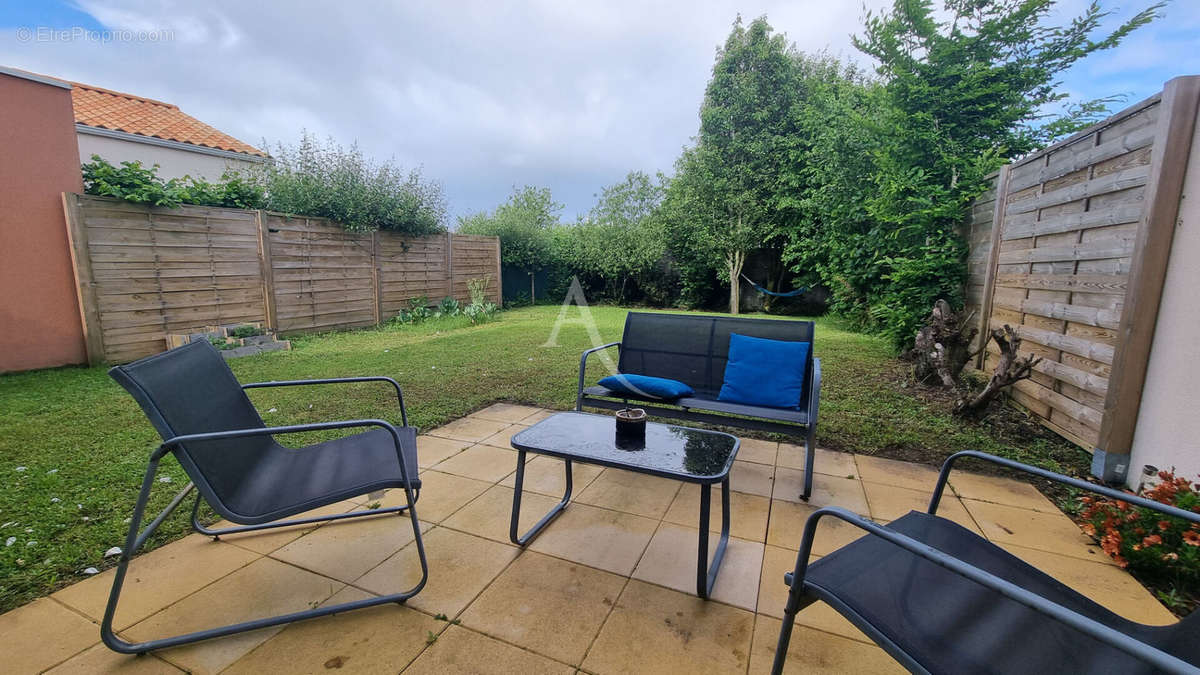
x=733 y=169
x=525 y=224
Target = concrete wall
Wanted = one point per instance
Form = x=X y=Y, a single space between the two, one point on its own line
x=172 y=162
x=39 y=312
x=1168 y=426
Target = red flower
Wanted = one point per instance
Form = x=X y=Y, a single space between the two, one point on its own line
x=1152 y=540
x=1191 y=538
x=1164 y=525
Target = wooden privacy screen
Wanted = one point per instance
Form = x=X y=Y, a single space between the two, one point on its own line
x=145 y=272
x=1060 y=250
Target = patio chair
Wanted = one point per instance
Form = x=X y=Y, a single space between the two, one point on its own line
x=234 y=463
x=941 y=599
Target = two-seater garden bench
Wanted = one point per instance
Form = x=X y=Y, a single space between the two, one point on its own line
x=694 y=349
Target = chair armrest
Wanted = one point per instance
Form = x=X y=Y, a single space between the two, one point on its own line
x=1083 y=624
x=1058 y=478
x=814 y=396
x=337 y=380
x=583 y=369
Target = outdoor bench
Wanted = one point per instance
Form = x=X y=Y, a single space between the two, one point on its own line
x=693 y=349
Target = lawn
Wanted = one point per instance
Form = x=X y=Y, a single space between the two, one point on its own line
x=73 y=445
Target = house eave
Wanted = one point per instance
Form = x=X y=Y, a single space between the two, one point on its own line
x=164 y=143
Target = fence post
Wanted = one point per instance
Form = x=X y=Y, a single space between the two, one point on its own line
x=1147 y=273
x=266 y=271
x=989 y=283
x=450 y=264
x=376 y=275
x=89 y=310
x=499 y=278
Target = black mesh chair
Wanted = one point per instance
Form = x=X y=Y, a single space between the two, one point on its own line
x=234 y=463
x=941 y=599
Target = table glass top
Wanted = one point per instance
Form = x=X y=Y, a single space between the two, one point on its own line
x=670 y=450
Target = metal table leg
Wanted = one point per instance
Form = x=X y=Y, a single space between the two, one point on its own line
x=516 y=511
x=706 y=577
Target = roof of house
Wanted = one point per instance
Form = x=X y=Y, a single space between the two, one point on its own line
x=117 y=111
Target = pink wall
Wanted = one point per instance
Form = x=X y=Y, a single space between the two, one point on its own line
x=39 y=312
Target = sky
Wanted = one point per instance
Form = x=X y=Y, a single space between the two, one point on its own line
x=482 y=96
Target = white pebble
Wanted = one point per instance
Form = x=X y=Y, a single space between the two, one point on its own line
x=51 y=472
x=386 y=351
x=55 y=500
x=31 y=542
x=10 y=541
x=91 y=570
x=116 y=550
x=165 y=479
x=21 y=468
x=273 y=410
x=9 y=523
x=28 y=530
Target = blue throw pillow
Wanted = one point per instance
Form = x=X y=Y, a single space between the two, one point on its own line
x=644 y=386
x=764 y=372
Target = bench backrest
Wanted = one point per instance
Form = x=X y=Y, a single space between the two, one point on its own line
x=694 y=348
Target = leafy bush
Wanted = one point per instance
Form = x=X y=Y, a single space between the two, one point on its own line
x=418 y=311
x=481 y=312
x=142 y=185
x=325 y=179
x=449 y=307
x=1161 y=549
x=523 y=223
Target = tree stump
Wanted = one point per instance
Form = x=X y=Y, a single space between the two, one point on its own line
x=1010 y=369
x=943 y=347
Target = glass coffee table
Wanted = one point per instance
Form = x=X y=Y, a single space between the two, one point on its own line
x=669 y=451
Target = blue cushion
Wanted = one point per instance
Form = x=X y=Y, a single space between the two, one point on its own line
x=645 y=386
x=764 y=372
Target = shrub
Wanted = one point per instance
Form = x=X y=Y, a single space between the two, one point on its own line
x=481 y=312
x=449 y=307
x=478 y=289
x=1161 y=549
x=328 y=180
x=142 y=185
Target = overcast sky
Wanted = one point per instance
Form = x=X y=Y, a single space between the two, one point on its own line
x=482 y=95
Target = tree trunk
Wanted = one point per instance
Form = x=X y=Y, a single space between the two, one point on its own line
x=942 y=347
x=735 y=259
x=1010 y=369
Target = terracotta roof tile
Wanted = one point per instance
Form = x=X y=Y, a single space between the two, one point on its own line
x=107 y=109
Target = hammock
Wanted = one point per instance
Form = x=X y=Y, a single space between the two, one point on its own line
x=790 y=294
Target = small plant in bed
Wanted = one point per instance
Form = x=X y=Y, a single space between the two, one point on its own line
x=1162 y=551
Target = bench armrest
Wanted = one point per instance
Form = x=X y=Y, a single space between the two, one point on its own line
x=337 y=380
x=583 y=370
x=814 y=396
x=1037 y=603
x=1166 y=509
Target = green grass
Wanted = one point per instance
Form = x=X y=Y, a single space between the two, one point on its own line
x=83 y=442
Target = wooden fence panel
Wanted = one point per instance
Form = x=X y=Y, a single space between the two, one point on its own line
x=1062 y=228
x=145 y=272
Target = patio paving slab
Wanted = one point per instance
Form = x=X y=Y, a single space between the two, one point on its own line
x=26 y=647
x=481 y=462
x=157 y=579
x=752 y=478
x=265 y=587
x=379 y=639
x=101 y=659
x=658 y=630
x=609 y=540
x=635 y=493
x=459 y=651
x=470 y=429
x=347 y=549
x=897 y=473
x=460 y=567
x=828 y=462
x=506 y=412
x=887 y=503
x=748 y=513
x=550 y=606
x=670 y=560
x=441 y=495
x=787 y=528
x=758 y=451
x=266 y=541
x=813 y=651
x=826 y=491
x=998 y=490
x=1055 y=533
x=433 y=449
x=488 y=515
x=546 y=475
